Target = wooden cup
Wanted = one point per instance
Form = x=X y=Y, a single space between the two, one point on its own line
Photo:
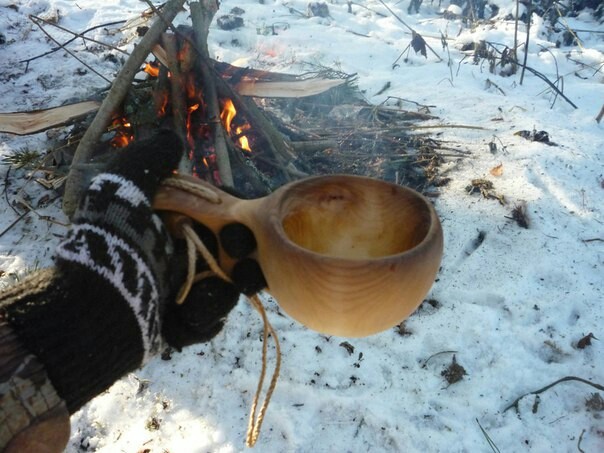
x=343 y=255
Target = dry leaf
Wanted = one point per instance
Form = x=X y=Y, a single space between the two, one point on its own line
x=419 y=44
x=349 y=348
x=520 y=215
x=586 y=341
x=497 y=171
x=454 y=372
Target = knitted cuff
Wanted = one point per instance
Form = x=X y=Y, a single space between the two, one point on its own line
x=78 y=327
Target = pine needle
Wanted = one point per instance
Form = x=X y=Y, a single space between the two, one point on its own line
x=24 y=158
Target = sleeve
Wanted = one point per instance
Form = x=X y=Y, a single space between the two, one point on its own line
x=32 y=415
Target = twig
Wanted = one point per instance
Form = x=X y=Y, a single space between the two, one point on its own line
x=313 y=145
x=396 y=17
x=541 y=76
x=358 y=34
x=550 y=83
x=413 y=32
x=47 y=218
x=516 y=30
x=528 y=34
x=448 y=126
x=559 y=78
x=547 y=387
x=17 y=220
x=202 y=15
x=589 y=31
x=75 y=36
x=35 y=21
x=369 y=9
x=600 y=115
x=407 y=100
x=585 y=65
x=488 y=438
x=158 y=11
x=570 y=30
x=579 y=442
x=5 y=191
x=405 y=50
x=114 y=98
x=491 y=83
x=437 y=354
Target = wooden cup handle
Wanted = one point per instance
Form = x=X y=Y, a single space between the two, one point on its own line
x=200 y=201
x=187 y=198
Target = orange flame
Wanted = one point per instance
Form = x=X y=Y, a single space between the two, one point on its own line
x=151 y=69
x=243 y=140
x=123 y=134
x=192 y=92
x=163 y=106
x=227 y=115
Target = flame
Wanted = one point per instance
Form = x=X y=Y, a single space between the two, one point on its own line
x=198 y=126
x=227 y=116
x=151 y=69
x=243 y=140
x=123 y=134
x=163 y=107
x=193 y=94
x=190 y=135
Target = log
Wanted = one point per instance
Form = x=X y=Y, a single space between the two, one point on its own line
x=293 y=89
x=75 y=184
x=179 y=102
x=202 y=16
x=23 y=123
x=257 y=83
x=313 y=145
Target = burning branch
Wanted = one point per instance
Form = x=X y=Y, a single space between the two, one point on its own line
x=179 y=103
x=120 y=87
x=201 y=16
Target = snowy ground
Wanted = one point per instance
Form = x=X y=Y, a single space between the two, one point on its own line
x=513 y=307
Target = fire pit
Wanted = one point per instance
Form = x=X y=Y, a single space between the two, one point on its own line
x=231 y=141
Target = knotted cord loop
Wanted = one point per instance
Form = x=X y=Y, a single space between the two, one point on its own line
x=196 y=189
x=195 y=245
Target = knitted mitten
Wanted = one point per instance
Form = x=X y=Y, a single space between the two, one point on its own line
x=108 y=304
x=96 y=315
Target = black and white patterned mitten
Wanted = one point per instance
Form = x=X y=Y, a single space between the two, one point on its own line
x=97 y=314
x=108 y=304
x=117 y=236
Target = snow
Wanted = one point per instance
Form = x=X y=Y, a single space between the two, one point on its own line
x=512 y=307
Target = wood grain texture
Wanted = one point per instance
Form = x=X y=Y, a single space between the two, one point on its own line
x=344 y=255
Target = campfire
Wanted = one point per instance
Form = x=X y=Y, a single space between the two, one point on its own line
x=232 y=119
x=246 y=129
x=200 y=100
